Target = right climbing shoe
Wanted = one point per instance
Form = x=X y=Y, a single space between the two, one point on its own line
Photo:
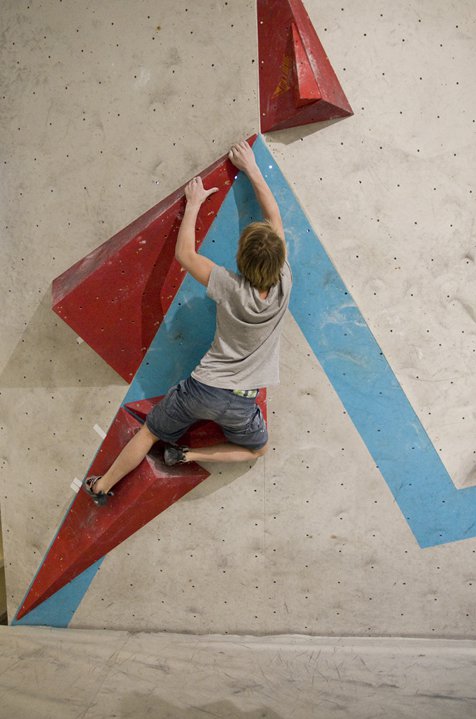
x=175 y=455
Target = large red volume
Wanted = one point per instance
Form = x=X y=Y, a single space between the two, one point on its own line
x=116 y=297
x=297 y=83
x=89 y=532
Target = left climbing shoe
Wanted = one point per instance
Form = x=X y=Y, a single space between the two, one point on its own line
x=99 y=498
x=175 y=455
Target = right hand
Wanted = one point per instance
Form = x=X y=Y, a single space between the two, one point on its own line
x=195 y=192
x=242 y=156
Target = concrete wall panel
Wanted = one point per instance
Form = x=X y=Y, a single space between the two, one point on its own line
x=115 y=113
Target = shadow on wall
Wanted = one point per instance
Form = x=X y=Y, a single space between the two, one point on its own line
x=139 y=705
x=221 y=475
x=293 y=134
x=48 y=355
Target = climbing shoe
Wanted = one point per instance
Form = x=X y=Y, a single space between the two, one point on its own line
x=99 y=498
x=175 y=455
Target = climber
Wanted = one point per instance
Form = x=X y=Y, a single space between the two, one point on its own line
x=244 y=355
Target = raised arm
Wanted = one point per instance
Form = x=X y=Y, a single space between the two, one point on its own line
x=199 y=266
x=242 y=156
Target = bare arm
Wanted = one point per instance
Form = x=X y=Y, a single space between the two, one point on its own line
x=242 y=156
x=199 y=266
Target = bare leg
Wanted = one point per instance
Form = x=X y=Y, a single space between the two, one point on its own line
x=128 y=459
x=224 y=453
x=136 y=449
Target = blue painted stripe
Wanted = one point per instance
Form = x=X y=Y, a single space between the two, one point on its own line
x=59 y=609
x=436 y=511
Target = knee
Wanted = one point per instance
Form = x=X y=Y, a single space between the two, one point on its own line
x=146 y=436
x=261 y=451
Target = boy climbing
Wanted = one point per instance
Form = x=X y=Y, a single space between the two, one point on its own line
x=244 y=355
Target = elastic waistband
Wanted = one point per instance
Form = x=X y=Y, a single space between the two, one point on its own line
x=249 y=393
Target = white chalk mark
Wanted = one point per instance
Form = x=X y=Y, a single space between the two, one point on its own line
x=76 y=485
x=100 y=431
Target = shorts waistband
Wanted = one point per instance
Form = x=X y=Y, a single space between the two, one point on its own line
x=249 y=393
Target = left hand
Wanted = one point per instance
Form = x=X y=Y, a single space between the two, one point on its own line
x=196 y=193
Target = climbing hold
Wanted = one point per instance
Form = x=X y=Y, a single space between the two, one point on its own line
x=297 y=83
x=89 y=532
x=116 y=297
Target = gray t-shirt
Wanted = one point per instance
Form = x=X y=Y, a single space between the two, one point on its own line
x=245 y=351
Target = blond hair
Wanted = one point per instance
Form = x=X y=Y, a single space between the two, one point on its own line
x=260 y=255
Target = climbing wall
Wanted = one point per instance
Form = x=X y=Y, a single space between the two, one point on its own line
x=331 y=533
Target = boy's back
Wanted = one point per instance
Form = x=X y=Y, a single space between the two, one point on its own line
x=245 y=350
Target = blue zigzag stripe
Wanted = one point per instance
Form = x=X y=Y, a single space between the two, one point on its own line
x=436 y=511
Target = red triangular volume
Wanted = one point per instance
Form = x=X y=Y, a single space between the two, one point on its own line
x=297 y=83
x=116 y=297
x=90 y=532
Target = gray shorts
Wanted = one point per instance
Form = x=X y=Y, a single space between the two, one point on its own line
x=189 y=401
